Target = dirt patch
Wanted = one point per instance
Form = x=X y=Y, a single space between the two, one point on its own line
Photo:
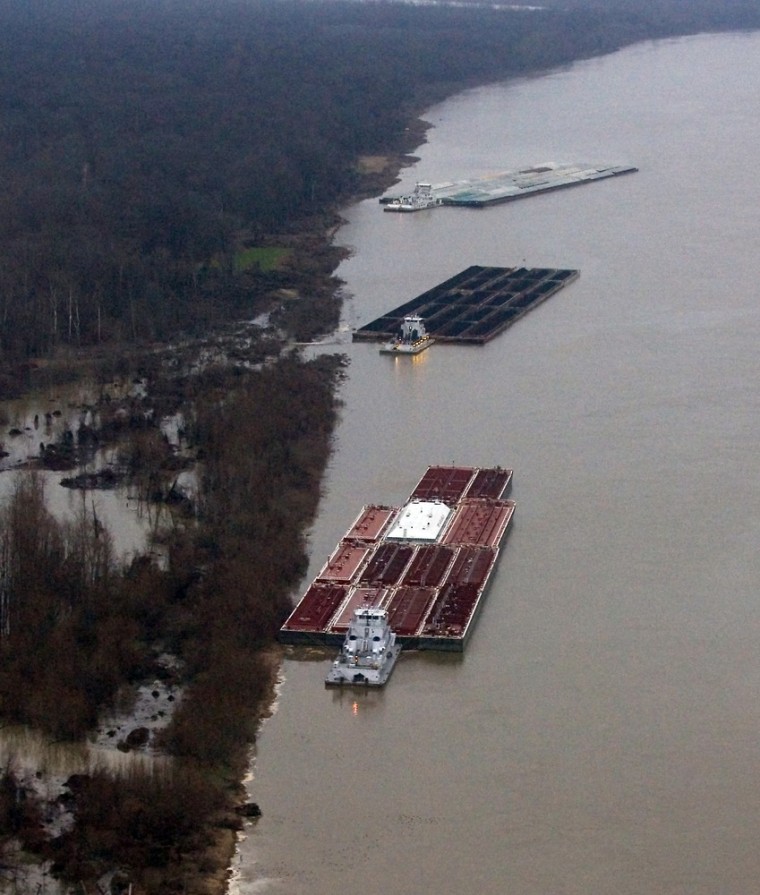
x=379 y=172
x=373 y=164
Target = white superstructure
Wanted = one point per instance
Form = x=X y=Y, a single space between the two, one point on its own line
x=421 y=197
x=369 y=651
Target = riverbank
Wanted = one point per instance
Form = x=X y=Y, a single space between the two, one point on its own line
x=259 y=439
x=188 y=381
x=378 y=173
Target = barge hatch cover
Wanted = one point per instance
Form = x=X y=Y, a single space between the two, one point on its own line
x=473 y=306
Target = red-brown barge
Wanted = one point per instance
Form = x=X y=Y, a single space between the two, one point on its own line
x=427 y=563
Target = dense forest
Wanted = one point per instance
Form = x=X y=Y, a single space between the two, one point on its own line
x=145 y=145
x=169 y=167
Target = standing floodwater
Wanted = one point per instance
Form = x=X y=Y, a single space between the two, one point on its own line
x=600 y=735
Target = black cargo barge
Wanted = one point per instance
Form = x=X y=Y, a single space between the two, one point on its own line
x=473 y=306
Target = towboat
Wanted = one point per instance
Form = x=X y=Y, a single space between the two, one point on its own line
x=369 y=651
x=421 y=197
x=412 y=338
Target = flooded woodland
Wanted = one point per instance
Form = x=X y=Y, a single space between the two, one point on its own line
x=123 y=565
x=184 y=423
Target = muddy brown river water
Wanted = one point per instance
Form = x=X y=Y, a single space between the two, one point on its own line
x=600 y=734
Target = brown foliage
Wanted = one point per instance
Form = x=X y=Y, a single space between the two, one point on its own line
x=141 y=821
x=71 y=633
x=20 y=813
x=76 y=626
x=266 y=443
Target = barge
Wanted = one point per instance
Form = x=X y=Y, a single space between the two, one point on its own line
x=474 y=306
x=504 y=187
x=425 y=564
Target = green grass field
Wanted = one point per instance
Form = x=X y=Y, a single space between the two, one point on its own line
x=263 y=258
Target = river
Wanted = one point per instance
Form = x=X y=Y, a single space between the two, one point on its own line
x=600 y=734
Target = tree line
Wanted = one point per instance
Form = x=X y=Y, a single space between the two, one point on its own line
x=142 y=143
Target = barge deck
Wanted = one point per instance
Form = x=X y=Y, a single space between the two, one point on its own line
x=475 y=305
x=509 y=185
x=427 y=563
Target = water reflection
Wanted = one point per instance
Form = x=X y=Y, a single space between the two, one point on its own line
x=30 y=423
x=356 y=700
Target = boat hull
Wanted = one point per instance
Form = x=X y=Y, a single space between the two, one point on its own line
x=418 y=200
x=346 y=675
x=406 y=348
x=406 y=208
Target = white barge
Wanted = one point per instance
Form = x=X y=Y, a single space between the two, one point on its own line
x=503 y=187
